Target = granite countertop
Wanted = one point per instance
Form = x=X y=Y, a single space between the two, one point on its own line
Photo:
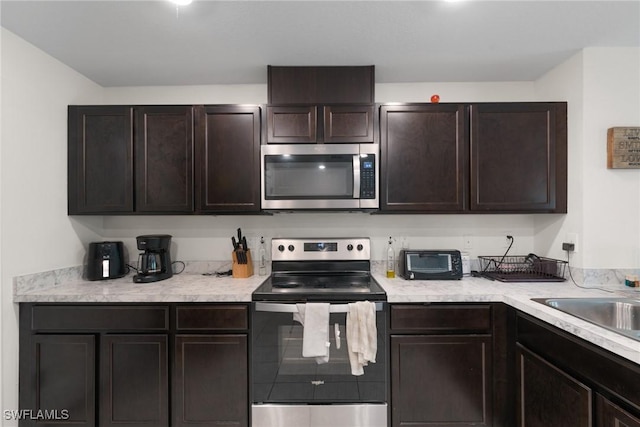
x=519 y=296
x=185 y=287
x=196 y=287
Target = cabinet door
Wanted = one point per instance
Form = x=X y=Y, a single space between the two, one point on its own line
x=211 y=381
x=228 y=139
x=348 y=123
x=164 y=159
x=441 y=381
x=548 y=397
x=134 y=381
x=292 y=124
x=519 y=157
x=61 y=380
x=424 y=158
x=611 y=415
x=100 y=160
x=320 y=85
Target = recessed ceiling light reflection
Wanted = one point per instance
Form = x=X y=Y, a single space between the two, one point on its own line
x=321 y=167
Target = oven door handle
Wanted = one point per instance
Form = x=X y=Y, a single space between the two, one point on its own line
x=272 y=307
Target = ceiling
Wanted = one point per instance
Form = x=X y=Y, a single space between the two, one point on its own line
x=141 y=43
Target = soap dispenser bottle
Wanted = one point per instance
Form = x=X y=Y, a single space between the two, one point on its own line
x=391 y=260
x=262 y=265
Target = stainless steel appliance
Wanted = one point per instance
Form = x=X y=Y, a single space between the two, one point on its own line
x=289 y=390
x=106 y=260
x=154 y=264
x=320 y=176
x=429 y=264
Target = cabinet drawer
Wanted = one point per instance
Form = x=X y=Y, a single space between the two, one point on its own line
x=98 y=318
x=218 y=317
x=441 y=318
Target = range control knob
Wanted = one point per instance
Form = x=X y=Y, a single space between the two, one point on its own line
x=281 y=248
x=360 y=247
x=291 y=248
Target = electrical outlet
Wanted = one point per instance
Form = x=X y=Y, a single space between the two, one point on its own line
x=404 y=242
x=569 y=247
x=573 y=239
x=467 y=241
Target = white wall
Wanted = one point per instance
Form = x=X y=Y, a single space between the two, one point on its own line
x=602 y=87
x=611 y=204
x=565 y=83
x=36 y=233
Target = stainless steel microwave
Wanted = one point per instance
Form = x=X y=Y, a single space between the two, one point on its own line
x=320 y=176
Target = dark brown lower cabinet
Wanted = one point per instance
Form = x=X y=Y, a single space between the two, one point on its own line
x=441 y=380
x=210 y=380
x=443 y=372
x=134 y=381
x=564 y=381
x=126 y=365
x=61 y=381
x=611 y=415
x=548 y=397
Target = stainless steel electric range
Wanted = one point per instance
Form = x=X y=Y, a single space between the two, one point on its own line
x=291 y=390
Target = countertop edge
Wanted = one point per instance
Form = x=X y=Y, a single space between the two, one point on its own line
x=207 y=289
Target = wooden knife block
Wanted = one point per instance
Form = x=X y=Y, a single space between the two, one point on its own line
x=241 y=271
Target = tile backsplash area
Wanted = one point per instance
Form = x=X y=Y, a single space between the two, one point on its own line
x=31 y=282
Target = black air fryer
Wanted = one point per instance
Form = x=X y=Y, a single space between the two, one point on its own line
x=106 y=260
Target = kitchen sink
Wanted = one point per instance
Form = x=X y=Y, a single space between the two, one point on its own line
x=621 y=315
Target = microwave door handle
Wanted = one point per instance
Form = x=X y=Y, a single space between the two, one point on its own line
x=356 y=176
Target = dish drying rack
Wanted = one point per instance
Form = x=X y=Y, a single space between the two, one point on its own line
x=523 y=268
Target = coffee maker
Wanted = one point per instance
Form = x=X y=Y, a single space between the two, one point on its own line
x=154 y=263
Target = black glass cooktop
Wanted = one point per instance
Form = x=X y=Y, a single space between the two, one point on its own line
x=315 y=287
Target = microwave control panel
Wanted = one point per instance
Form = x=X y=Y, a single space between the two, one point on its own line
x=368 y=177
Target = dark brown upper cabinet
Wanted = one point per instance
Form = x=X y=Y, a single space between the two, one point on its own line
x=458 y=158
x=100 y=162
x=321 y=85
x=424 y=158
x=125 y=159
x=311 y=124
x=519 y=157
x=143 y=159
x=164 y=159
x=292 y=124
x=349 y=123
x=228 y=147
x=309 y=105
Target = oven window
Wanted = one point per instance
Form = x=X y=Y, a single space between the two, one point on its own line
x=290 y=177
x=281 y=375
x=429 y=263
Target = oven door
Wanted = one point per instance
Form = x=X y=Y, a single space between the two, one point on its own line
x=319 y=176
x=289 y=388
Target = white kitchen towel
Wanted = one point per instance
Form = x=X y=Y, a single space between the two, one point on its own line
x=362 y=335
x=314 y=318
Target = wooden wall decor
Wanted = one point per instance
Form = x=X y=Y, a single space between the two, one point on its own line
x=623 y=148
